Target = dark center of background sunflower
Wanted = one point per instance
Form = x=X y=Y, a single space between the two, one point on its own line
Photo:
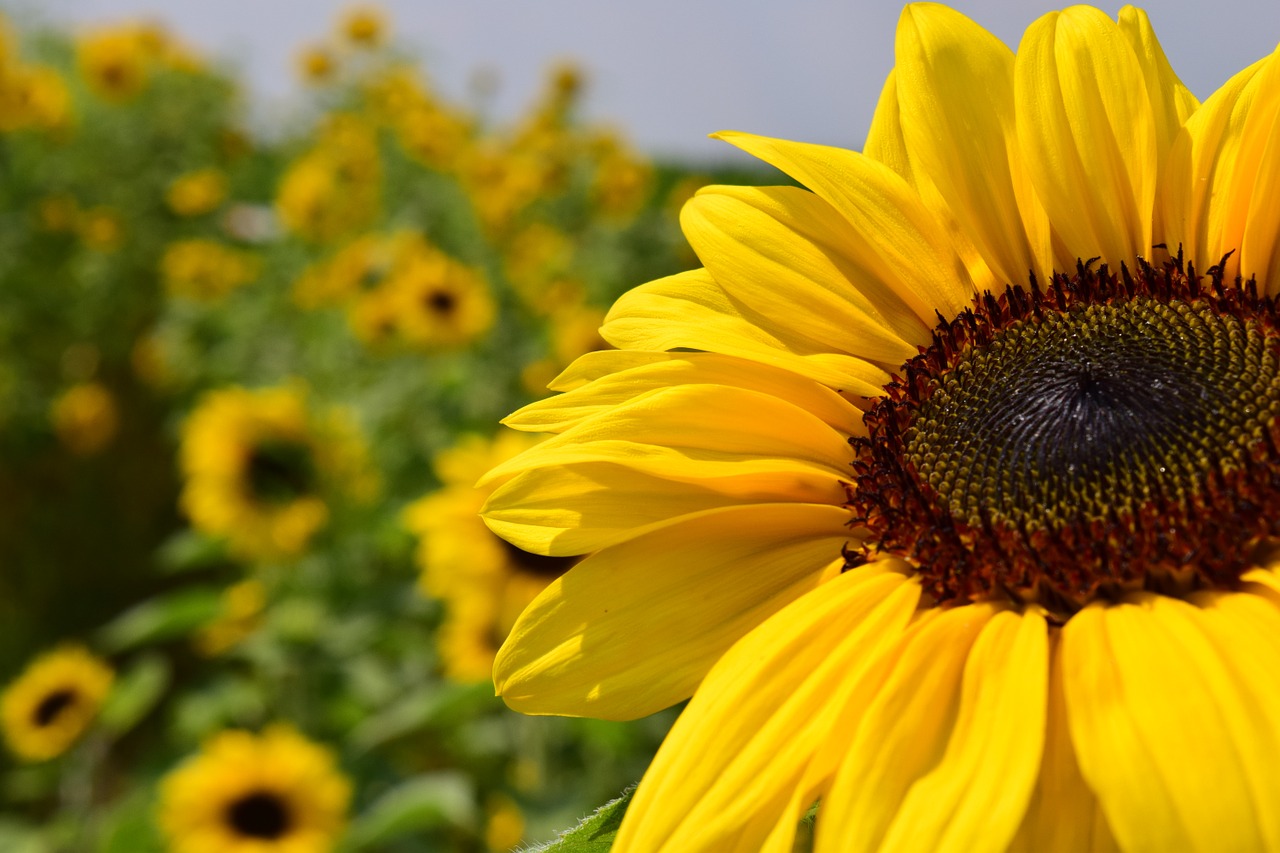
x=1107 y=434
x=260 y=814
x=52 y=706
x=280 y=471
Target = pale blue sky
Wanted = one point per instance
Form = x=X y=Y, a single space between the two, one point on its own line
x=669 y=71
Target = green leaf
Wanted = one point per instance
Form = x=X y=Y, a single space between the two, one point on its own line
x=426 y=707
x=19 y=837
x=188 y=550
x=595 y=834
x=425 y=802
x=164 y=618
x=135 y=693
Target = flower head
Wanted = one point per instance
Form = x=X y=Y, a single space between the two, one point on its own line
x=261 y=469
x=949 y=486
x=50 y=705
x=276 y=792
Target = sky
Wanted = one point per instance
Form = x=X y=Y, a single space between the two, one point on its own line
x=665 y=72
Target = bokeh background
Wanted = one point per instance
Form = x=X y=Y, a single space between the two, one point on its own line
x=270 y=275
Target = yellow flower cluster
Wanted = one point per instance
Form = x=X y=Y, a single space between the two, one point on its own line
x=333 y=189
x=205 y=270
x=399 y=290
x=31 y=96
x=117 y=62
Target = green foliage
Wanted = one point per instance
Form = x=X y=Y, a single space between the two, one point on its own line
x=595 y=834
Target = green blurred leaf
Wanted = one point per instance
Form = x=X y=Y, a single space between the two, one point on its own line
x=188 y=550
x=130 y=827
x=163 y=618
x=422 y=803
x=19 y=837
x=594 y=834
x=135 y=693
x=428 y=706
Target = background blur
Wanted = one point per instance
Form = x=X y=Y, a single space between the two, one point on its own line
x=669 y=72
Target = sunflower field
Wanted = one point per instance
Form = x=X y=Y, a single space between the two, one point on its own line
x=248 y=382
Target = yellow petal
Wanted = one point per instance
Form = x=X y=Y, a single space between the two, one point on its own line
x=692 y=311
x=1171 y=102
x=780 y=251
x=693 y=432
x=955 y=90
x=1204 y=207
x=898 y=240
x=1165 y=724
x=626 y=633
x=886 y=144
x=576 y=508
x=904 y=731
x=975 y=797
x=594 y=387
x=731 y=764
x=1063 y=815
x=1087 y=134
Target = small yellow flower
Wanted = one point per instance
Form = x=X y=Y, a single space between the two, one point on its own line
x=261 y=468
x=58 y=214
x=51 y=704
x=239 y=616
x=101 y=229
x=503 y=825
x=114 y=63
x=205 y=270
x=364 y=26
x=196 y=193
x=34 y=97
x=244 y=793
x=85 y=418
x=440 y=303
x=317 y=64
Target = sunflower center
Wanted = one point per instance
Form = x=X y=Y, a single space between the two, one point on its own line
x=1109 y=433
x=441 y=301
x=52 y=706
x=280 y=471
x=260 y=814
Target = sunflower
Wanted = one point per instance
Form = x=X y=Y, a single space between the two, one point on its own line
x=50 y=705
x=196 y=193
x=483 y=581
x=261 y=468
x=439 y=303
x=271 y=793
x=85 y=418
x=205 y=270
x=951 y=482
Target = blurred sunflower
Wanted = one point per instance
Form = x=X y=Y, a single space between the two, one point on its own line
x=239 y=615
x=261 y=468
x=483 y=581
x=364 y=26
x=114 y=62
x=243 y=793
x=975 y=559
x=439 y=303
x=196 y=193
x=50 y=705
x=333 y=189
x=85 y=418
x=205 y=270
